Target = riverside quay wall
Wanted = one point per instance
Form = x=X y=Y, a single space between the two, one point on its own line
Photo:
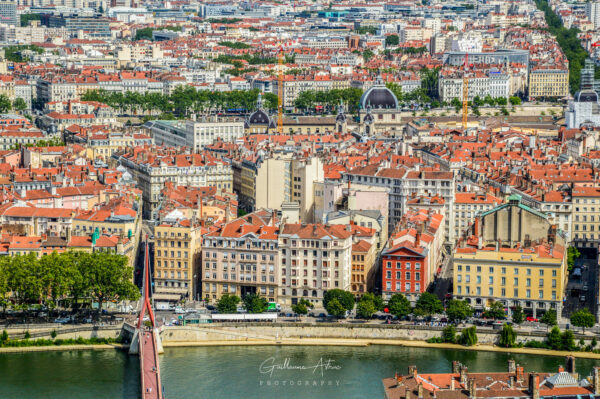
x=278 y=331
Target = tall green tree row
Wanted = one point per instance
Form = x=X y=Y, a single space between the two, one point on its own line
x=183 y=101
x=568 y=41
x=27 y=280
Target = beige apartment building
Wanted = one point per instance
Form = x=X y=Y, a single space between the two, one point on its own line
x=314 y=258
x=177 y=255
x=586 y=217
x=546 y=82
x=286 y=178
x=241 y=258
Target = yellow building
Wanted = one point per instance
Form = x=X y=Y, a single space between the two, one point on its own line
x=514 y=255
x=544 y=82
x=364 y=254
x=177 y=255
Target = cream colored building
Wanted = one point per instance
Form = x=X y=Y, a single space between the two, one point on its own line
x=515 y=256
x=177 y=260
x=545 y=82
x=241 y=258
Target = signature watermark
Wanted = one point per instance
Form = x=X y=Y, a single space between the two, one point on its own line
x=286 y=373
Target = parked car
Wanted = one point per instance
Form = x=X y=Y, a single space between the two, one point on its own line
x=179 y=310
x=62 y=320
x=585 y=287
x=533 y=319
x=582 y=298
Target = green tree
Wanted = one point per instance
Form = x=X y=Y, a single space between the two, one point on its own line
x=583 y=318
x=254 y=303
x=549 y=318
x=572 y=254
x=449 y=334
x=5 y=104
x=143 y=34
x=508 y=336
x=567 y=341
x=468 y=337
x=514 y=100
x=302 y=307
x=109 y=278
x=392 y=40
x=335 y=308
x=399 y=306
x=345 y=298
x=19 y=104
x=376 y=299
x=501 y=101
x=517 y=315
x=228 y=303
x=428 y=304
x=458 y=310
x=554 y=339
x=368 y=54
x=495 y=311
x=4 y=336
x=365 y=309
x=363 y=30
x=26 y=18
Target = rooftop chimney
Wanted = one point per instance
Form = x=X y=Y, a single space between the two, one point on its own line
x=534 y=386
x=472 y=389
x=596 y=380
x=571 y=364
x=463 y=375
x=420 y=390
x=455 y=367
x=511 y=366
x=520 y=373
x=412 y=370
x=511 y=382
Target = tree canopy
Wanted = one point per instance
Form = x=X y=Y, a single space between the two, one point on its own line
x=399 y=306
x=583 y=318
x=428 y=304
x=344 y=298
x=97 y=277
x=458 y=310
x=228 y=303
x=254 y=303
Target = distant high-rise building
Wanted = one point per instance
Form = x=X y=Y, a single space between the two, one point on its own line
x=592 y=11
x=8 y=13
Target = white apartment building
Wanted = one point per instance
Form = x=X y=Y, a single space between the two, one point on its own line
x=314 y=258
x=495 y=84
x=194 y=134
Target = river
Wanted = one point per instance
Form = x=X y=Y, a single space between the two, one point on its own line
x=315 y=372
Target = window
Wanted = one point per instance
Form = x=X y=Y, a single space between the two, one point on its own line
x=541 y=272
x=417 y=276
x=529 y=272
x=541 y=294
x=553 y=273
x=407 y=277
x=503 y=281
x=491 y=291
x=553 y=283
x=389 y=264
x=478 y=279
x=515 y=281
x=528 y=282
x=516 y=270
x=503 y=292
x=388 y=274
x=406 y=287
x=407 y=265
x=503 y=270
x=491 y=269
x=459 y=290
x=528 y=293
x=459 y=278
x=516 y=293
x=398 y=277
x=459 y=268
x=417 y=266
x=541 y=282
x=468 y=278
x=478 y=269
x=478 y=290
x=491 y=280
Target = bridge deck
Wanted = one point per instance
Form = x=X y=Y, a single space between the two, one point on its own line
x=151 y=387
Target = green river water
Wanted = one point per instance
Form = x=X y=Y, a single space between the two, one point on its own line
x=315 y=372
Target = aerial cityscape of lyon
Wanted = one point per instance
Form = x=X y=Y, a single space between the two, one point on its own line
x=299 y=199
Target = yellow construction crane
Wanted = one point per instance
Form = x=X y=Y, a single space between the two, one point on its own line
x=280 y=92
x=465 y=112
